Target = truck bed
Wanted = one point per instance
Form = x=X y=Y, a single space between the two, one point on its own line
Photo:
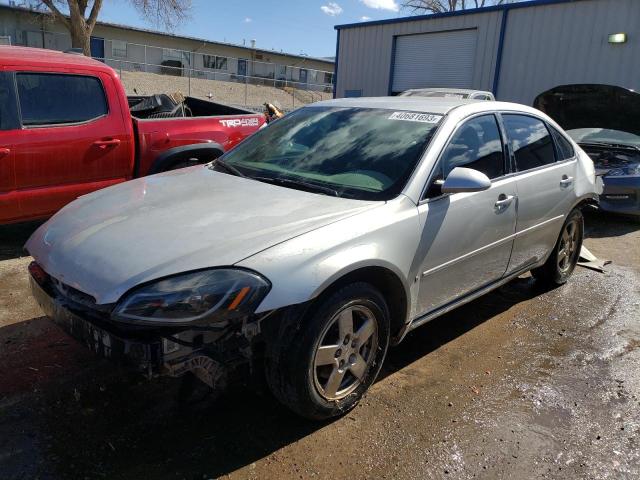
x=202 y=122
x=198 y=107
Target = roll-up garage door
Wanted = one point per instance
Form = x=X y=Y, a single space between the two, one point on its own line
x=441 y=59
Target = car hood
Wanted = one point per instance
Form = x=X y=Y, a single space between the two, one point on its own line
x=592 y=106
x=107 y=242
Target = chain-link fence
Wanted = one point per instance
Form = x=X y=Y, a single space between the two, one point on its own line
x=146 y=69
x=247 y=90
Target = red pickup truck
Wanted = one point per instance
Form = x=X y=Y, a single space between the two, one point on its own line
x=67 y=128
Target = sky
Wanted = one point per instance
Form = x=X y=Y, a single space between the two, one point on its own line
x=294 y=26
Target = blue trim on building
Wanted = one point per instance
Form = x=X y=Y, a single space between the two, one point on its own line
x=496 y=73
x=470 y=11
x=335 y=68
x=393 y=64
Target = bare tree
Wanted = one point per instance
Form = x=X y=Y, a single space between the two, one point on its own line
x=441 y=6
x=163 y=13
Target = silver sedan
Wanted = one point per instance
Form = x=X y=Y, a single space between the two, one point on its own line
x=310 y=248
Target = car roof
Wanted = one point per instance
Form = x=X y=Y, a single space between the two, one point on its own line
x=439 y=105
x=32 y=57
x=435 y=105
x=464 y=91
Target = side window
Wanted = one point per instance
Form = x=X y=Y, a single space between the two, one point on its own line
x=476 y=144
x=565 y=149
x=530 y=140
x=8 y=104
x=53 y=99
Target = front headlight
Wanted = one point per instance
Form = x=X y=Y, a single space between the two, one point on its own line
x=196 y=297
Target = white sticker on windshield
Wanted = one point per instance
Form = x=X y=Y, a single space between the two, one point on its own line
x=415 y=117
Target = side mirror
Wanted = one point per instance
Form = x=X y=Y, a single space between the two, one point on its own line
x=465 y=180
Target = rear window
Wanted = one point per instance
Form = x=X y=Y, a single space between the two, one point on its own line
x=54 y=99
x=530 y=140
x=8 y=107
x=565 y=149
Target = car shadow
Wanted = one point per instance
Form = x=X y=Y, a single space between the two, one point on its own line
x=603 y=224
x=13 y=237
x=95 y=418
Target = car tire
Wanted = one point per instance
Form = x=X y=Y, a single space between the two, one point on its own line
x=562 y=261
x=320 y=367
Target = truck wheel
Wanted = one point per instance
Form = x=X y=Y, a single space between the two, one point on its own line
x=185 y=156
x=320 y=365
x=189 y=162
x=562 y=261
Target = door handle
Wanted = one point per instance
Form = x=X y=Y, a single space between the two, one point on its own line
x=104 y=144
x=4 y=152
x=504 y=201
x=566 y=181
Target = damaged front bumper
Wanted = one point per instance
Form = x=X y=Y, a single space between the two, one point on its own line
x=213 y=353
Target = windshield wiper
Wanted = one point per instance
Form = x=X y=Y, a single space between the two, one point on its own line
x=619 y=146
x=229 y=168
x=301 y=184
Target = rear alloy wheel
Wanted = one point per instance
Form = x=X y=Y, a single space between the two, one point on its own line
x=320 y=363
x=562 y=261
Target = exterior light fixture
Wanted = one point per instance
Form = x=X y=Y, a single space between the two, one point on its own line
x=618 y=38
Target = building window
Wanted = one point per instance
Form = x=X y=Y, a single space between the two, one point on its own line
x=221 y=63
x=328 y=78
x=214 y=62
x=171 y=54
x=119 y=48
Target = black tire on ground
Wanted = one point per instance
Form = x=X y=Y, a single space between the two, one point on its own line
x=299 y=361
x=562 y=261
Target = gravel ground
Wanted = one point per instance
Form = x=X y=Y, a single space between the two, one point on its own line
x=253 y=96
x=522 y=383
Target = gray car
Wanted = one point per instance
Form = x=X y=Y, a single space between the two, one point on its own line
x=315 y=244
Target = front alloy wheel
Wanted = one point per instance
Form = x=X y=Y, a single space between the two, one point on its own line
x=345 y=352
x=320 y=362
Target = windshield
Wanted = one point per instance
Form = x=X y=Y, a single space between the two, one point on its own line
x=360 y=153
x=603 y=135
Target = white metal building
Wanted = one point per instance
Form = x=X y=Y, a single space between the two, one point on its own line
x=517 y=50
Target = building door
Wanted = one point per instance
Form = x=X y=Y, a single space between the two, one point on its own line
x=97 y=48
x=304 y=75
x=441 y=59
x=242 y=67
